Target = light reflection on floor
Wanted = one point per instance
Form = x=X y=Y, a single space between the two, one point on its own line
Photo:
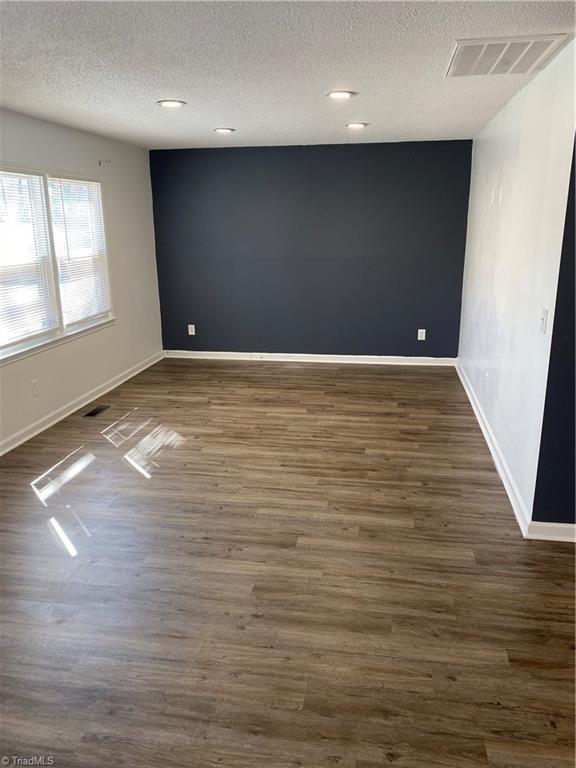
x=143 y=457
x=58 y=490
x=126 y=427
x=63 y=536
x=55 y=478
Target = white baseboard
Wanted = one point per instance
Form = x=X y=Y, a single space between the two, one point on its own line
x=288 y=357
x=551 y=531
x=531 y=529
x=518 y=506
x=13 y=441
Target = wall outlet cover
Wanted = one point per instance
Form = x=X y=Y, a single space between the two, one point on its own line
x=191 y=330
x=421 y=334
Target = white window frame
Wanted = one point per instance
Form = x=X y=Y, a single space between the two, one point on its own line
x=39 y=342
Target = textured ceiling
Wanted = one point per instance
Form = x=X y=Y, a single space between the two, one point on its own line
x=263 y=68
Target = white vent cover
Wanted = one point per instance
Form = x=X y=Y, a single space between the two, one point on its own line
x=512 y=56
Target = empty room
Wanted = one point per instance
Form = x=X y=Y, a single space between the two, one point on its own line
x=287 y=384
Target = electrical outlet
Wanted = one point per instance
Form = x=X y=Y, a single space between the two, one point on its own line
x=191 y=330
x=34 y=388
x=544 y=319
x=421 y=334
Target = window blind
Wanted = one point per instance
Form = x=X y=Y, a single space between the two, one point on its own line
x=79 y=242
x=28 y=305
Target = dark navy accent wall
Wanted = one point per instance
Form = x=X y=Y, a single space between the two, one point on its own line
x=340 y=249
x=554 y=499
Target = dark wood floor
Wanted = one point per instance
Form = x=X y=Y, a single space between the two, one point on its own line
x=285 y=565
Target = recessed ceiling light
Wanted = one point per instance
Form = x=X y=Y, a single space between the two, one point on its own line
x=224 y=130
x=171 y=103
x=357 y=126
x=341 y=95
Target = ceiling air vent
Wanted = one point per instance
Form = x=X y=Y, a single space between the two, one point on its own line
x=512 y=56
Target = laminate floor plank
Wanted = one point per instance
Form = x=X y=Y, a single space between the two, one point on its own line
x=278 y=565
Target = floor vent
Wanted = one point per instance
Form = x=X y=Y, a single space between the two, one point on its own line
x=512 y=56
x=96 y=411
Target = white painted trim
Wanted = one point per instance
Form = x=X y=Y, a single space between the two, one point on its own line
x=551 y=531
x=13 y=441
x=289 y=357
x=531 y=529
x=522 y=514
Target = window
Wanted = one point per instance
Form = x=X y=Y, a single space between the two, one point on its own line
x=53 y=273
x=28 y=300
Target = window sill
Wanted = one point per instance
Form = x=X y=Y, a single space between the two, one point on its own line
x=37 y=345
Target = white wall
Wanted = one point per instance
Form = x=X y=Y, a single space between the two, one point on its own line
x=520 y=174
x=68 y=373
